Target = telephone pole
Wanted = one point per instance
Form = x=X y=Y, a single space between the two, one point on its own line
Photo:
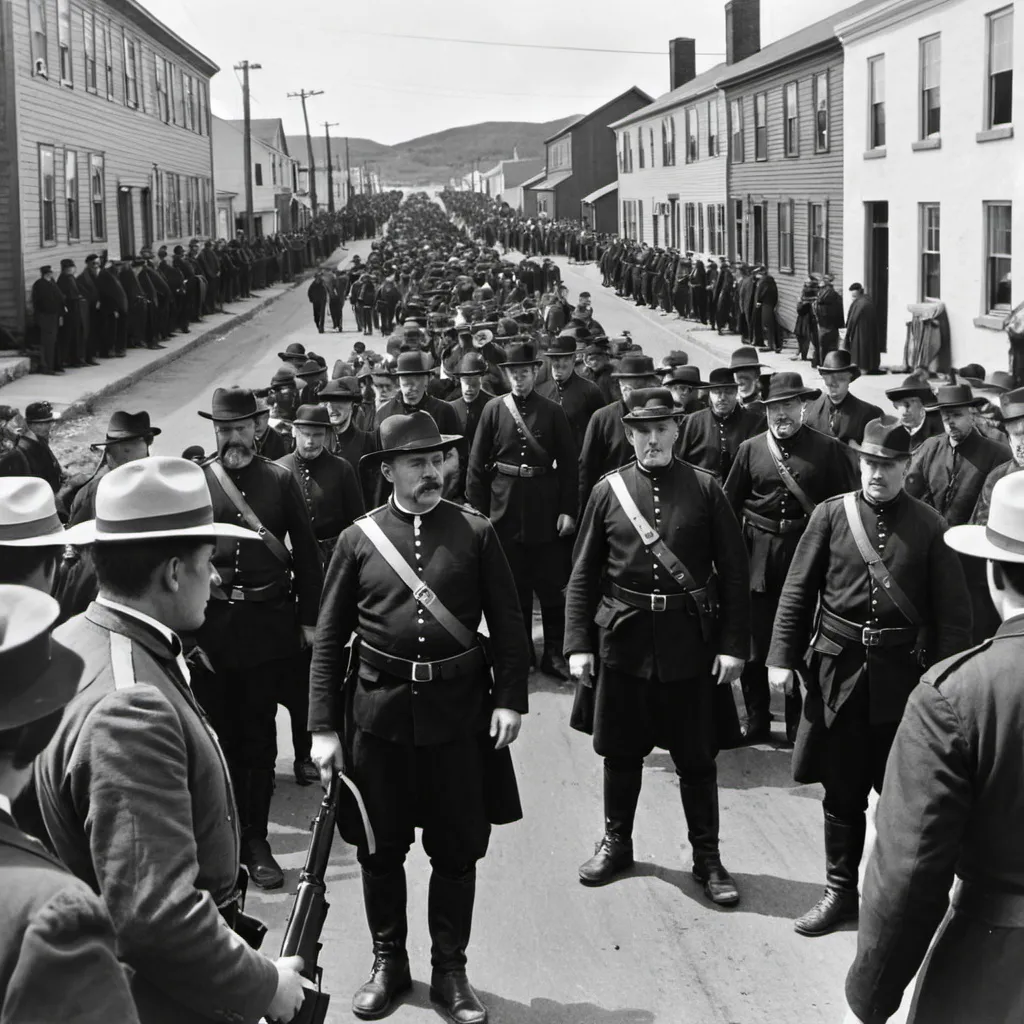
x=303 y=95
x=245 y=67
x=328 y=125
x=348 y=176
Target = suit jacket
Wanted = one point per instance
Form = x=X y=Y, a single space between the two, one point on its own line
x=442 y=412
x=931 y=426
x=47 y=298
x=981 y=509
x=88 y=289
x=331 y=489
x=604 y=447
x=579 y=398
x=828 y=309
x=708 y=441
x=845 y=421
x=136 y=797
x=57 y=951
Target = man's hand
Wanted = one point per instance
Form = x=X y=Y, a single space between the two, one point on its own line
x=566 y=525
x=288 y=997
x=327 y=755
x=581 y=666
x=781 y=680
x=307 y=634
x=727 y=669
x=505 y=725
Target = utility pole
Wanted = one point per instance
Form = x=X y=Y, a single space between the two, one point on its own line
x=328 y=125
x=303 y=95
x=245 y=67
x=348 y=176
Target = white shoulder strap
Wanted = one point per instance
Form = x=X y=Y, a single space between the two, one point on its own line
x=121 y=661
x=647 y=532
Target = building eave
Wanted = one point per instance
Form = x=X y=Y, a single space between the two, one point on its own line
x=815 y=51
x=141 y=18
x=573 y=125
x=883 y=17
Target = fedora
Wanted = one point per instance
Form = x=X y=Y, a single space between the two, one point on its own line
x=1002 y=539
x=787 y=385
x=745 y=358
x=1011 y=404
x=884 y=438
x=341 y=389
x=152 y=499
x=522 y=354
x=675 y=358
x=416 y=432
x=839 y=361
x=912 y=387
x=232 y=404
x=127 y=426
x=563 y=345
x=683 y=375
x=720 y=377
x=38 y=675
x=636 y=364
x=998 y=382
x=647 y=404
x=284 y=376
x=312 y=416
x=310 y=368
x=28 y=514
x=413 y=363
x=956 y=396
x=296 y=350
x=472 y=365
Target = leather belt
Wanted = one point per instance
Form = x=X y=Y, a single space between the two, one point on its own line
x=423 y=671
x=507 y=469
x=990 y=906
x=776 y=526
x=843 y=629
x=258 y=595
x=650 y=602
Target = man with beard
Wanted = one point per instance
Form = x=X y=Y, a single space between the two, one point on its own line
x=828 y=314
x=775 y=482
x=746 y=371
x=839 y=413
x=711 y=437
x=878 y=597
x=579 y=398
x=414 y=370
x=668 y=632
x=1011 y=406
x=350 y=442
x=261 y=617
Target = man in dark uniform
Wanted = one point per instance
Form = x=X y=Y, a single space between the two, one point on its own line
x=426 y=726
x=261 y=617
x=71 y=337
x=829 y=316
x=160 y=289
x=342 y=397
x=115 y=310
x=711 y=437
x=92 y=318
x=839 y=413
x=48 y=309
x=176 y=283
x=683 y=382
x=414 y=370
x=1011 y=405
x=914 y=402
x=871 y=633
x=579 y=398
x=775 y=481
x=472 y=395
x=34 y=445
x=663 y=642
x=193 y=291
x=597 y=368
x=746 y=370
x=766 y=298
x=270 y=443
x=138 y=304
x=523 y=475
x=311 y=378
x=210 y=264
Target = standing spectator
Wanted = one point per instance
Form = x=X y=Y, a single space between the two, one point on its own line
x=317 y=295
x=862 y=331
x=34 y=443
x=828 y=313
x=806 y=329
x=48 y=309
x=71 y=337
x=92 y=317
x=766 y=298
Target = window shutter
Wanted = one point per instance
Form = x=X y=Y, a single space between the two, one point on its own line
x=826 y=260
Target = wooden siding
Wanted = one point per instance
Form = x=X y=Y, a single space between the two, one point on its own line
x=134 y=143
x=11 y=275
x=804 y=179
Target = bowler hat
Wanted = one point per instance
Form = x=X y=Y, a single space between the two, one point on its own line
x=312 y=416
x=28 y=514
x=784 y=386
x=413 y=363
x=955 y=396
x=884 y=438
x=522 y=353
x=1002 y=540
x=296 y=350
x=635 y=364
x=912 y=387
x=341 y=389
x=39 y=412
x=472 y=365
x=416 y=432
x=231 y=404
x=310 y=368
x=745 y=358
x=66 y=264
x=1011 y=404
x=675 y=358
x=647 y=404
x=683 y=375
x=839 y=361
x=283 y=376
x=127 y=426
x=720 y=377
x=563 y=345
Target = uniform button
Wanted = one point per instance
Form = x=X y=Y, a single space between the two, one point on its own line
x=421 y=639
x=418 y=543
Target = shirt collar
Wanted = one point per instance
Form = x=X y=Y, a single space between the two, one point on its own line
x=401 y=508
x=5 y=806
x=172 y=638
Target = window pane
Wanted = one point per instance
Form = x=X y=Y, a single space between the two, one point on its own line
x=821 y=111
x=1001 y=42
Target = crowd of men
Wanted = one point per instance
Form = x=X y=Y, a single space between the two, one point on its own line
x=676 y=534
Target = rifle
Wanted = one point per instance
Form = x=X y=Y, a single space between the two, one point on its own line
x=309 y=912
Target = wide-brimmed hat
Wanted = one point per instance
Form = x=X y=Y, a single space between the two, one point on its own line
x=416 y=432
x=884 y=438
x=151 y=499
x=127 y=426
x=996 y=383
x=472 y=365
x=839 y=361
x=413 y=363
x=956 y=396
x=38 y=675
x=312 y=416
x=683 y=375
x=720 y=377
x=1011 y=405
x=310 y=368
x=647 y=404
x=341 y=389
x=39 y=412
x=521 y=354
x=635 y=364
x=1002 y=539
x=598 y=348
x=296 y=350
x=563 y=345
x=912 y=387
x=28 y=514
x=231 y=404
x=745 y=358
x=787 y=385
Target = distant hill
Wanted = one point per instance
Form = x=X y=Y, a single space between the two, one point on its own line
x=433 y=159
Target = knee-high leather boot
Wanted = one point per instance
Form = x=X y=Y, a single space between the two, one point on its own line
x=844 y=847
x=384 y=897
x=614 y=852
x=700 y=805
x=450 y=917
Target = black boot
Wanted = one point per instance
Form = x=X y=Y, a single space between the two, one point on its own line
x=700 y=805
x=844 y=846
x=552 y=661
x=256 y=853
x=614 y=853
x=384 y=897
x=450 y=918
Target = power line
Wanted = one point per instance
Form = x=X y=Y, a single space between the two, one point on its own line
x=378 y=87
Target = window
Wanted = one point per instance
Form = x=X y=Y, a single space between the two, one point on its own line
x=736 y=129
x=672 y=140
x=1000 y=68
x=71 y=193
x=650 y=139
x=761 y=126
x=665 y=161
x=186 y=101
x=64 y=41
x=931 y=277
x=640 y=218
x=930 y=110
x=690 y=214
x=712 y=226
x=713 y=127
x=719 y=240
x=47 y=197
x=37 y=37
x=108 y=60
x=171 y=94
x=700 y=227
x=131 y=72
x=560 y=153
x=163 y=103
x=258 y=171
x=97 y=196
x=821 y=113
x=792 y=121
x=143 y=98
x=997 y=271
x=876 y=102
x=692 y=136
x=817 y=249
x=273 y=169
x=737 y=222
x=640 y=147
x=159 y=186
x=204 y=107
x=89 y=31
x=760 y=233
x=629 y=219
x=786 y=235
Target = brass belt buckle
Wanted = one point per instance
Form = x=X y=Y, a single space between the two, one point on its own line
x=526 y=471
x=419 y=676
x=236 y=594
x=870 y=637
x=659 y=602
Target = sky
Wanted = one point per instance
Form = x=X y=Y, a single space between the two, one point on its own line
x=392 y=89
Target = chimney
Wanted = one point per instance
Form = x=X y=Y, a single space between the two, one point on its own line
x=742 y=29
x=682 y=62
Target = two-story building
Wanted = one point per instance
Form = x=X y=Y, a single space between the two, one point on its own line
x=104 y=138
x=581 y=159
x=933 y=166
x=504 y=181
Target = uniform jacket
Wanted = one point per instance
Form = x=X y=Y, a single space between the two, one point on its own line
x=950 y=479
x=41 y=460
x=604 y=447
x=981 y=509
x=57 y=957
x=352 y=445
x=69 y=289
x=708 y=441
x=331 y=489
x=845 y=421
x=111 y=293
x=604 y=380
x=88 y=289
x=457 y=554
x=697 y=525
x=469 y=415
x=579 y=398
x=524 y=509
x=442 y=413
x=137 y=800
x=952 y=806
x=47 y=297
x=274 y=445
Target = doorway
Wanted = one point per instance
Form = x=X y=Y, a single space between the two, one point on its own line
x=876 y=270
x=125 y=222
x=673 y=206
x=147 y=218
x=760 y=234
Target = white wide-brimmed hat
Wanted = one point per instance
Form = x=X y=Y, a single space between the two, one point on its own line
x=1002 y=539
x=28 y=514
x=151 y=499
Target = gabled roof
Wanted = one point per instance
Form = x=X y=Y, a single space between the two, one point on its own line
x=530 y=182
x=550 y=182
x=517 y=171
x=267 y=129
x=704 y=82
x=635 y=90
